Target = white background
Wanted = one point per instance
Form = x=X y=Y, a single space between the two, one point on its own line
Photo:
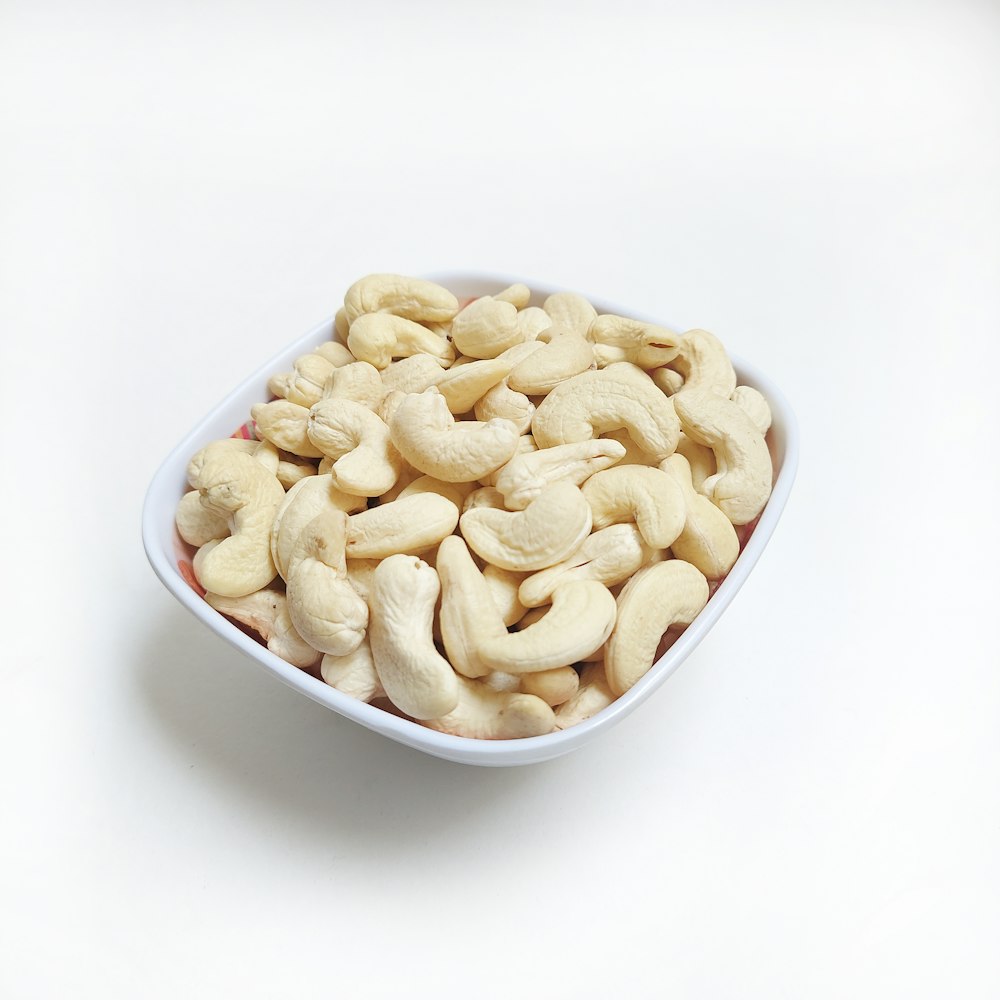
x=811 y=806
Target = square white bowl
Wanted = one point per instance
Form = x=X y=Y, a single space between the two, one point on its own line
x=164 y=550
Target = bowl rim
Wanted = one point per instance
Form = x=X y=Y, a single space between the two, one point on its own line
x=462 y=749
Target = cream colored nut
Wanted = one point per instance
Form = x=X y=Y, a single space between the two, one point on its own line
x=266 y=612
x=525 y=476
x=551 y=527
x=353 y=673
x=389 y=405
x=365 y=462
x=457 y=493
x=517 y=295
x=413 y=298
x=485 y=714
x=667 y=380
x=427 y=436
x=704 y=363
x=649 y=497
x=504 y=584
x=464 y=384
x=407 y=476
x=617 y=338
x=409 y=526
x=267 y=455
x=593 y=696
x=565 y=355
x=468 y=614
x=360 y=573
x=323 y=605
x=502 y=402
x=554 y=686
x=236 y=486
x=752 y=402
x=341 y=327
x=659 y=597
x=620 y=395
x=304 y=384
x=379 y=337
x=485 y=496
x=416 y=678
x=497 y=680
x=413 y=374
x=743 y=483
x=335 y=352
x=532 y=321
x=359 y=382
x=608 y=556
x=634 y=455
x=303 y=502
x=525 y=446
x=570 y=310
x=284 y=425
x=580 y=620
x=197 y=525
x=486 y=327
x=292 y=469
x=709 y=541
x=700 y=458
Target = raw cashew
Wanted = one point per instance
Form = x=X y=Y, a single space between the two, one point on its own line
x=709 y=541
x=525 y=476
x=634 y=455
x=266 y=612
x=620 y=395
x=544 y=533
x=743 y=483
x=504 y=584
x=649 y=497
x=360 y=573
x=485 y=496
x=517 y=295
x=667 y=380
x=407 y=476
x=553 y=686
x=341 y=327
x=304 y=384
x=704 y=363
x=457 y=493
x=379 y=337
x=565 y=355
x=413 y=374
x=593 y=696
x=238 y=487
x=754 y=405
x=464 y=384
x=365 y=462
x=353 y=673
x=570 y=310
x=468 y=614
x=324 y=607
x=503 y=402
x=580 y=620
x=359 y=382
x=486 y=327
x=292 y=469
x=196 y=524
x=485 y=714
x=335 y=352
x=389 y=405
x=284 y=425
x=416 y=678
x=531 y=321
x=608 y=556
x=298 y=507
x=700 y=458
x=658 y=597
x=413 y=298
x=409 y=526
x=617 y=338
x=427 y=436
x=525 y=446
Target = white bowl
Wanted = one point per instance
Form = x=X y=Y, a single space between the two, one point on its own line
x=164 y=550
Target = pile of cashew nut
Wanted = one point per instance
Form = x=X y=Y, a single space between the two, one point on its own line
x=489 y=517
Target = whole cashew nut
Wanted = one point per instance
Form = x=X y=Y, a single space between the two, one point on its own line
x=649 y=497
x=554 y=686
x=198 y=525
x=565 y=355
x=486 y=327
x=353 y=673
x=485 y=714
x=700 y=458
x=335 y=352
x=304 y=384
x=457 y=493
x=592 y=696
x=531 y=321
x=571 y=311
x=413 y=374
x=704 y=363
x=525 y=446
x=617 y=338
x=284 y=425
x=752 y=402
x=359 y=382
x=464 y=384
x=504 y=584
x=502 y=402
x=409 y=526
x=379 y=337
x=412 y=298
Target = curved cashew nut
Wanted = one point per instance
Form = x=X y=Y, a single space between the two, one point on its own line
x=413 y=374
x=704 y=363
x=620 y=395
x=336 y=353
x=468 y=614
x=360 y=573
x=379 y=337
x=658 y=597
x=324 y=607
x=608 y=556
x=667 y=380
x=304 y=501
x=407 y=476
x=198 y=525
x=292 y=469
x=353 y=673
x=304 y=384
x=502 y=402
x=525 y=476
x=284 y=425
x=554 y=686
x=485 y=496
x=341 y=327
x=412 y=298
x=634 y=455
x=266 y=612
x=754 y=405
x=531 y=321
x=359 y=382
x=570 y=310
x=742 y=485
x=517 y=295
x=709 y=541
x=238 y=487
x=551 y=527
x=504 y=585
x=580 y=620
x=525 y=446
x=485 y=714
x=465 y=383
x=408 y=526
x=427 y=436
x=593 y=696
x=617 y=338
x=416 y=677
x=649 y=497
x=457 y=493
x=486 y=327
x=365 y=462
x=700 y=458
x=565 y=355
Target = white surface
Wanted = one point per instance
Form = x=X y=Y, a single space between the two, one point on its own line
x=811 y=806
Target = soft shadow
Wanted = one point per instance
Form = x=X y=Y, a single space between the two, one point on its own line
x=222 y=713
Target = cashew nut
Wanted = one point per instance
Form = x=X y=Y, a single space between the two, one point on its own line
x=517 y=295
x=503 y=402
x=649 y=497
x=292 y=469
x=667 y=380
x=197 y=525
x=743 y=483
x=413 y=374
x=266 y=612
x=360 y=573
x=357 y=381
x=416 y=678
x=525 y=446
x=659 y=597
x=353 y=673
x=754 y=405
x=413 y=298
x=486 y=327
x=617 y=338
x=531 y=321
x=427 y=436
x=704 y=363
x=592 y=696
x=565 y=355
x=554 y=686
x=379 y=337
x=700 y=458
x=485 y=714
x=544 y=533
x=464 y=384
x=504 y=585
x=284 y=425
x=457 y=493
x=570 y=310
x=634 y=455
x=304 y=384
x=336 y=353
x=409 y=526
x=341 y=327
x=485 y=496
